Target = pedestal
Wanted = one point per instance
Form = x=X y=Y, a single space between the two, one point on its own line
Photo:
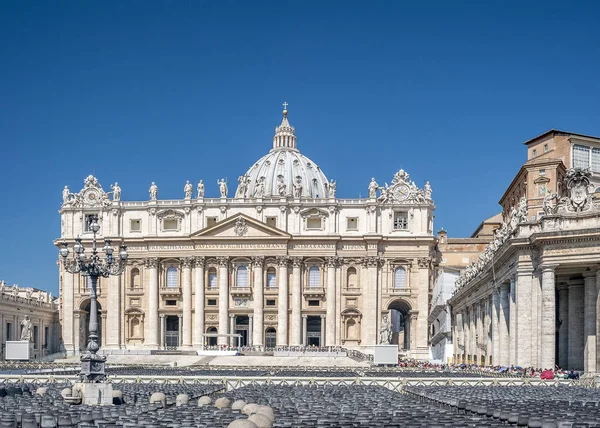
x=385 y=354
x=92 y=368
x=21 y=350
x=94 y=394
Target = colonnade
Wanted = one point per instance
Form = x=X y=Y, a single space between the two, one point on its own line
x=515 y=321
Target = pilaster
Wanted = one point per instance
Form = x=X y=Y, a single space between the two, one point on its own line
x=589 y=328
x=186 y=265
x=257 y=265
x=151 y=338
x=282 y=313
x=223 y=299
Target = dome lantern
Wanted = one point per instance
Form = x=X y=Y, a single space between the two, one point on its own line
x=285 y=135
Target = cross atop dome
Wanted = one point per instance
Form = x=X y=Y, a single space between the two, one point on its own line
x=285 y=135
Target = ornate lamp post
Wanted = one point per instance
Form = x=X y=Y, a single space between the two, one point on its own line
x=92 y=365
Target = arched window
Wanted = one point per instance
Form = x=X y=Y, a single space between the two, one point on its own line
x=314 y=277
x=242 y=276
x=212 y=278
x=172 y=277
x=271 y=278
x=399 y=278
x=134 y=284
x=212 y=341
x=351 y=278
x=270 y=337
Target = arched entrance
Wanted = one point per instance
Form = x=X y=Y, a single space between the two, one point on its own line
x=399 y=311
x=84 y=325
x=211 y=341
x=242 y=323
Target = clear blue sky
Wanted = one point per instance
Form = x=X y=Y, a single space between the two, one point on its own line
x=141 y=91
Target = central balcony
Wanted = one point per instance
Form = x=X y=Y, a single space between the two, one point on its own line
x=240 y=291
x=313 y=291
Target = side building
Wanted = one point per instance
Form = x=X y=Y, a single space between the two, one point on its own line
x=283 y=261
x=530 y=299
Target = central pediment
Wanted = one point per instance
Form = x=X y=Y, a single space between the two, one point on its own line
x=240 y=226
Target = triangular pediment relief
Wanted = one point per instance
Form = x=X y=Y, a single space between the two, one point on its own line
x=314 y=212
x=240 y=226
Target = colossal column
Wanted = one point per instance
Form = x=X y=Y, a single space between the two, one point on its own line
x=296 y=302
x=563 y=330
x=199 y=302
x=330 y=326
x=186 y=264
x=548 y=327
x=151 y=339
x=67 y=312
x=223 y=298
x=257 y=263
x=113 y=311
x=512 y=317
x=304 y=328
x=589 y=328
x=282 y=312
x=495 y=328
x=524 y=318
x=369 y=330
x=576 y=326
x=423 y=308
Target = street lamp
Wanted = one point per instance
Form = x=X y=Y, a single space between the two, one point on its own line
x=92 y=365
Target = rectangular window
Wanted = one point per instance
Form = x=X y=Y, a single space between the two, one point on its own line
x=172 y=278
x=314 y=303
x=88 y=221
x=242 y=276
x=542 y=171
x=596 y=159
x=135 y=225
x=581 y=156
x=270 y=302
x=313 y=223
x=352 y=223
x=171 y=303
x=314 y=277
x=8 y=331
x=211 y=221
x=212 y=280
x=272 y=221
x=271 y=280
x=534 y=153
x=400 y=220
x=211 y=302
x=545 y=148
x=170 y=224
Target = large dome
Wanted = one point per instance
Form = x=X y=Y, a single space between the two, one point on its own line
x=284 y=171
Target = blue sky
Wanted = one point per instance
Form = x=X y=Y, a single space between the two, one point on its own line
x=141 y=91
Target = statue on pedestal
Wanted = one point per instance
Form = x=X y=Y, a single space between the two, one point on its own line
x=188 y=190
x=298 y=187
x=281 y=186
x=260 y=188
x=373 y=186
x=331 y=186
x=385 y=332
x=26 y=329
x=66 y=195
x=427 y=190
x=153 y=191
x=116 y=191
x=200 y=189
x=223 y=187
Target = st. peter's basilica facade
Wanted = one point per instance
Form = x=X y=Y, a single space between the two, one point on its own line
x=282 y=261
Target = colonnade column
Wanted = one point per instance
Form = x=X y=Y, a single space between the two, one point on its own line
x=151 y=336
x=233 y=341
x=548 y=322
x=369 y=331
x=113 y=311
x=186 y=264
x=296 y=302
x=162 y=331
x=423 y=307
x=67 y=312
x=495 y=327
x=576 y=336
x=512 y=329
x=524 y=317
x=282 y=312
x=180 y=328
x=323 y=321
x=503 y=325
x=563 y=329
x=304 y=327
x=589 y=327
x=257 y=263
x=199 y=303
x=250 y=330
x=330 y=330
x=223 y=299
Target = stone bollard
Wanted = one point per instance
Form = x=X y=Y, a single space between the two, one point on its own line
x=266 y=411
x=242 y=423
x=222 y=402
x=159 y=397
x=181 y=400
x=41 y=391
x=204 y=400
x=238 y=405
x=250 y=409
x=261 y=421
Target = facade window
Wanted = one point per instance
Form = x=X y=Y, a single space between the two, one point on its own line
x=545 y=148
x=170 y=224
x=534 y=153
x=399 y=278
x=400 y=220
x=270 y=337
x=135 y=225
x=172 y=278
x=351 y=223
x=270 y=302
x=272 y=221
x=211 y=302
x=543 y=171
x=211 y=221
x=351 y=278
x=88 y=222
x=242 y=276
x=314 y=277
x=135 y=279
x=314 y=303
x=586 y=157
x=212 y=278
x=313 y=223
x=271 y=278
x=171 y=303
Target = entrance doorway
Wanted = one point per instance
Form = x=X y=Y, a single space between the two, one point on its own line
x=313 y=331
x=172 y=332
x=400 y=319
x=242 y=323
x=211 y=341
x=270 y=337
